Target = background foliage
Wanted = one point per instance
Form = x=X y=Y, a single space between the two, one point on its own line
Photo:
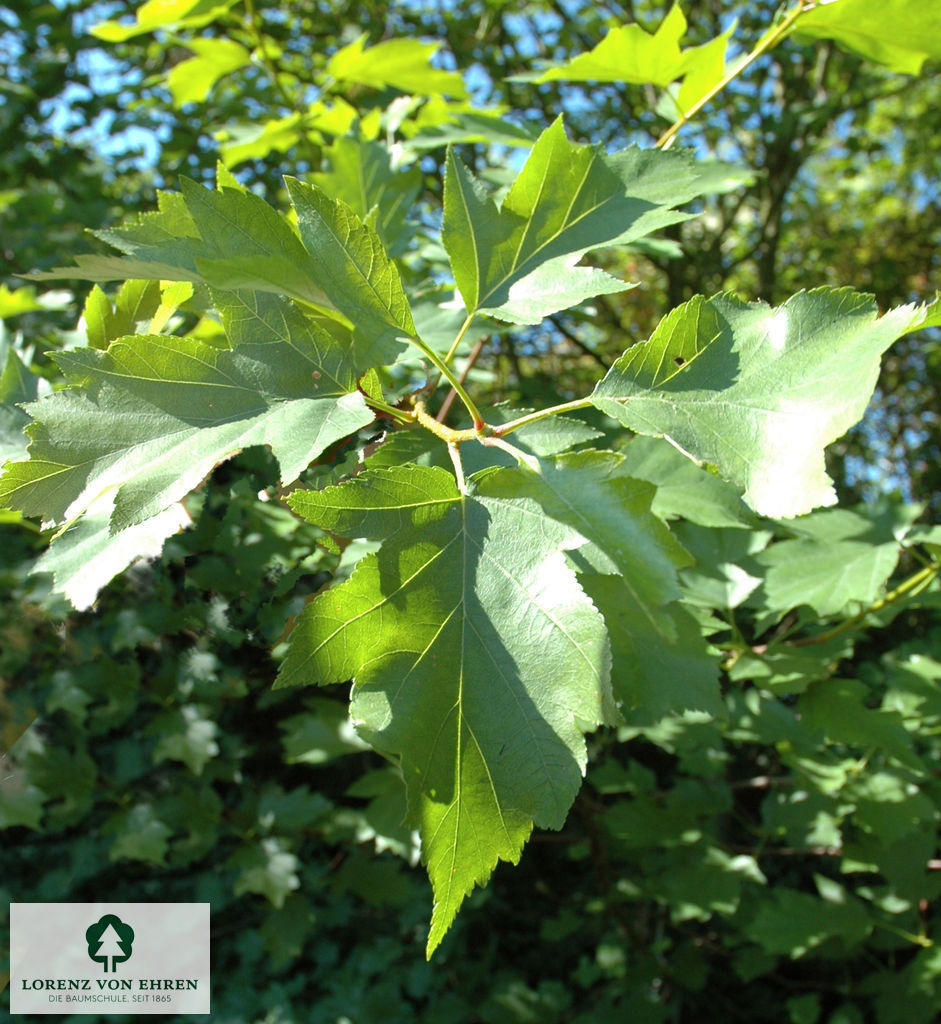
x=772 y=858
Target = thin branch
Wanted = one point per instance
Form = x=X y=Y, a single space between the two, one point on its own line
x=578 y=343
x=771 y=38
x=452 y=394
x=913 y=585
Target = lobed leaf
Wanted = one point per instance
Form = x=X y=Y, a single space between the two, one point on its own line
x=756 y=391
x=476 y=659
x=518 y=261
x=227 y=238
x=630 y=54
x=149 y=418
x=362 y=175
x=354 y=270
x=836 y=557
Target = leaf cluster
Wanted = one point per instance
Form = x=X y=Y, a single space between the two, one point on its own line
x=636 y=576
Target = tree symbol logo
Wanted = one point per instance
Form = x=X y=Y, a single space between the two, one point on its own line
x=110 y=939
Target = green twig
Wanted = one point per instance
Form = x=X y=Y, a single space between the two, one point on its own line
x=917 y=940
x=528 y=460
x=460 y=337
x=771 y=38
x=261 y=42
x=449 y=436
x=921 y=579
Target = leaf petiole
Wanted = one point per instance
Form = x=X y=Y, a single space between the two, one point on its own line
x=380 y=405
x=453 y=380
x=460 y=337
x=454 y=452
x=502 y=429
x=527 y=460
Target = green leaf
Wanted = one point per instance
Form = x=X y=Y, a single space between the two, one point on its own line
x=401 y=63
x=17 y=385
x=156 y=14
x=354 y=270
x=186 y=735
x=21 y=802
x=685 y=489
x=456 y=631
x=929 y=315
x=382 y=820
x=590 y=492
x=758 y=392
x=838 y=556
x=136 y=302
x=838 y=709
x=362 y=176
x=191 y=80
x=88 y=555
x=518 y=261
x=140 y=835
x=286 y=929
x=253 y=141
x=228 y=238
x=268 y=868
x=706 y=67
x=725 y=572
x=440 y=124
x=902 y=34
x=630 y=54
x=156 y=413
x=153 y=415
x=790 y=923
x=17 y=301
x=659 y=669
x=322 y=733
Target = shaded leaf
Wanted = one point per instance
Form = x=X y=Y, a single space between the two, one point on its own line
x=17 y=385
x=790 y=923
x=139 y=835
x=838 y=709
x=841 y=557
x=457 y=632
x=268 y=868
x=590 y=492
x=655 y=671
x=362 y=176
x=685 y=489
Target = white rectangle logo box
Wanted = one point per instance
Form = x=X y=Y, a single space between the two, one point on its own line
x=109 y=958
